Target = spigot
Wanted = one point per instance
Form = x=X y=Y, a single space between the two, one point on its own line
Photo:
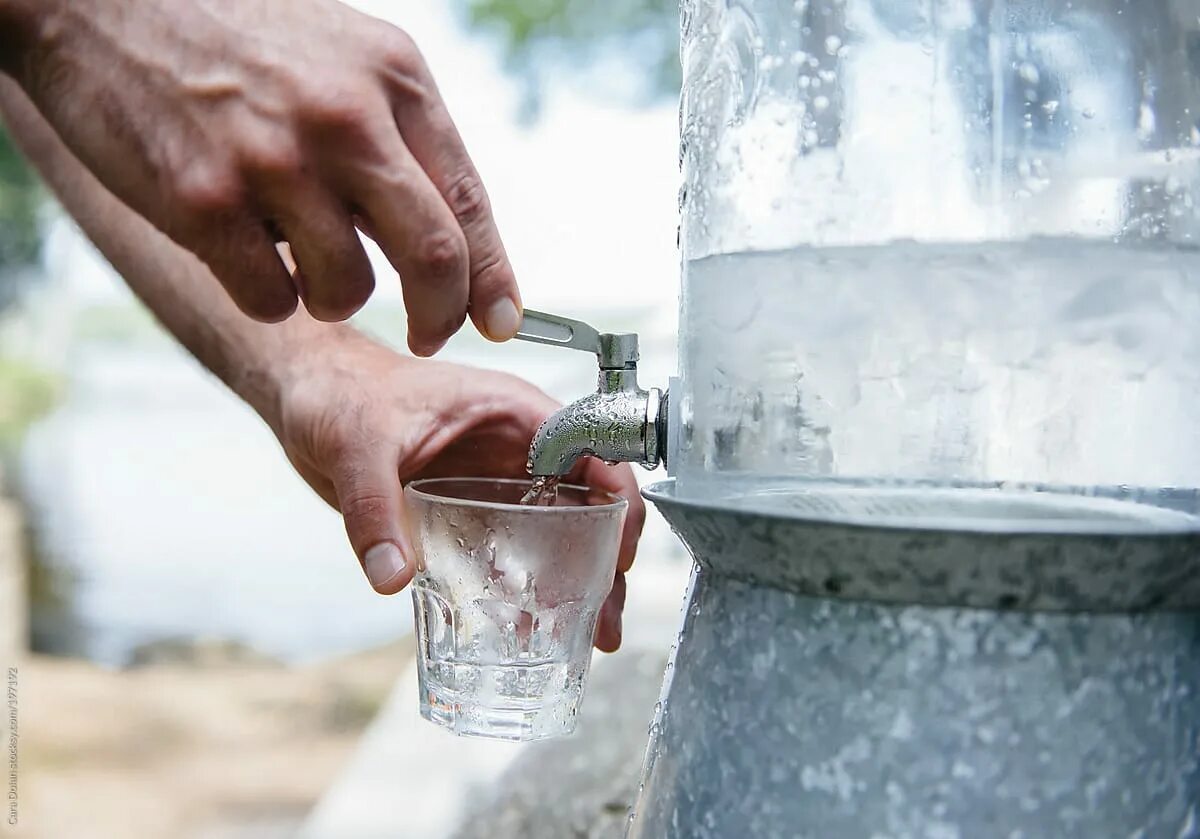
x=619 y=423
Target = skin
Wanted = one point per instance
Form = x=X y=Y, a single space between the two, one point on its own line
x=233 y=124
x=356 y=419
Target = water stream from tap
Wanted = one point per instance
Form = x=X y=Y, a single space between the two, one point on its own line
x=543 y=492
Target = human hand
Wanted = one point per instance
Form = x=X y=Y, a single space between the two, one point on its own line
x=356 y=420
x=231 y=123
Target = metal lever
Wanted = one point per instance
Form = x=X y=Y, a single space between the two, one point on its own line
x=613 y=351
x=542 y=328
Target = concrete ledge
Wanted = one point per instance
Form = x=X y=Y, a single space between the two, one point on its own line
x=412 y=779
x=583 y=786
x=14 y=611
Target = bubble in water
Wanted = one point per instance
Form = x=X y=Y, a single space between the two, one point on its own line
x=1050 y=106
x=1028 y=72
x=1089 y=113
x=832 y=44
x=820 y=103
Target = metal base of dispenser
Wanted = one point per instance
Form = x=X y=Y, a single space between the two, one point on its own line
x=1073 y=711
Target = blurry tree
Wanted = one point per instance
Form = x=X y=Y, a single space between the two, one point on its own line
x=20 y=200
x=540 y=36
x=26 y=390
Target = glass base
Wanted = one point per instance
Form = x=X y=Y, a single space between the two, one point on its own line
x=515 y=720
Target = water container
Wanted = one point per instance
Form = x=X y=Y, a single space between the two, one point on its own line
x=935 y=440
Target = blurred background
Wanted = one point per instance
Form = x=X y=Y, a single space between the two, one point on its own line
x=175 y=680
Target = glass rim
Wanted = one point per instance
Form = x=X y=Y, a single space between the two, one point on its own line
x=615 y=501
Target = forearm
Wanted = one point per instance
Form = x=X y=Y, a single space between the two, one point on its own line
x=179 y=289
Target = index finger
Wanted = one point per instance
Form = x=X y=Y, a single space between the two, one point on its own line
x=432 y=138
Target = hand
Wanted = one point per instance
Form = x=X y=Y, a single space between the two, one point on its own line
x=357 y=419
x=230 y=124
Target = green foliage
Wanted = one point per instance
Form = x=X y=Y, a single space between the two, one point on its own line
x=20 y=200
x=641 y=34
x=27 y=392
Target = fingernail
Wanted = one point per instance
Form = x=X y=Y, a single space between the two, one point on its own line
x=502 y=320
x=383 y=563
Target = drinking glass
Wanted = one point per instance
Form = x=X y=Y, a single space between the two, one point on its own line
x=506 y=598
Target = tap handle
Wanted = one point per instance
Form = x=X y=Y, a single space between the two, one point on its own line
x=613 y=351
x=557 y=331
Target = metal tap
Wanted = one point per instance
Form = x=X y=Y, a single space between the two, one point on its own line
x=620 y=422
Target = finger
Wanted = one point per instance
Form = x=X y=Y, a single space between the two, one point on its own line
x=334 y=276
x=422 y=240
x=430 y=134
x=620 y=480
x=370 y=499
x=608 y=626
x=243 y=258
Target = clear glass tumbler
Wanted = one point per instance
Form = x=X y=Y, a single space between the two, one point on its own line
x=506 y=599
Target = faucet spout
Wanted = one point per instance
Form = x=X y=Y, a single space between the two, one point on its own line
x=618 y=427
x=619 y=423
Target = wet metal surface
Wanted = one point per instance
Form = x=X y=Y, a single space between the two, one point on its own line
x=962 y=546
x=791 y=716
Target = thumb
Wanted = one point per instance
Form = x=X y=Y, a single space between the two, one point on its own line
x=371 y=501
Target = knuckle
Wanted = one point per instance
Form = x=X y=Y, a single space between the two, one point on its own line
x=441 y=255
x=208 y=190
x=402 y=53
x=468 y=200
x=491 y=274
x=339 y=107
x=274 y=158
x=364 y=504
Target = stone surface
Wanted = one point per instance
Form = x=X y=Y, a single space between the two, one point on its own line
x=434 y=785
x=198 y=652
x=583 y=786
